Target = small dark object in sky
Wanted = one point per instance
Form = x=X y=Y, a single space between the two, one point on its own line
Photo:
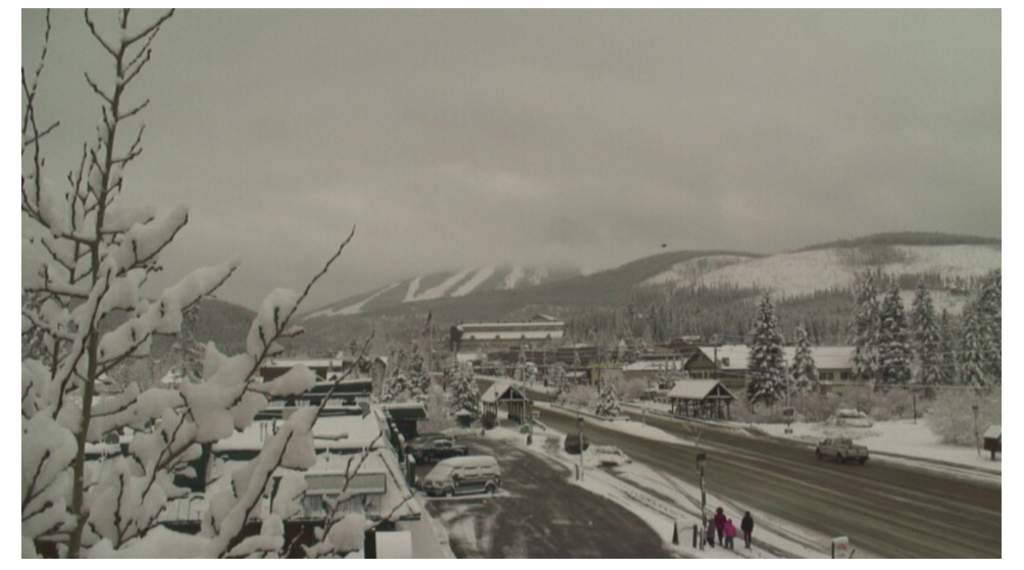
x=664 y=245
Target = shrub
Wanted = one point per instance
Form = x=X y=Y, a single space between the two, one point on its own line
x=489 y=420
x=552 y=443
x=950 y=415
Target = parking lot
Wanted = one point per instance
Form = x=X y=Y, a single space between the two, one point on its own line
x=538 y=514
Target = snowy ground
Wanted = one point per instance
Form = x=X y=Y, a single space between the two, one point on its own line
x=902 y=438
x=628 y=426
x=661 y=500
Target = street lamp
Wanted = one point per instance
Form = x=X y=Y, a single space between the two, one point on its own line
x=579 y=430
x=701 y=460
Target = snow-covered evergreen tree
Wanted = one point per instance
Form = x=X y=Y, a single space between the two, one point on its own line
x=948 y=350
x=607 y=401
x=464 y=395
x=972 y=352
x=803 y=370
x=989 y=313
x=86 y=255
x=864 y=328
x=894 y=355
x=927 y=339
x=520 y=370
x=766 y=363
x=557 y=379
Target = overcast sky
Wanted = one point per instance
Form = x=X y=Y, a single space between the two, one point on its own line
x=457 y=139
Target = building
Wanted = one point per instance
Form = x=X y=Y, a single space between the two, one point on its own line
x=708 y=399
x=541 y=330
x=728 y=363
x=506 y=394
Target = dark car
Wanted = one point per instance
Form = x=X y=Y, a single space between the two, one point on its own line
x=437 y=449
x=572 y=444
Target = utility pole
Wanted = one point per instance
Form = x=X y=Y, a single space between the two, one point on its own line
x=701 y=459
x=579 y=429
x=977 y=438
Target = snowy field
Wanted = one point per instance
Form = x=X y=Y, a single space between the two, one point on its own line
x=661 y=500
x=901 y=437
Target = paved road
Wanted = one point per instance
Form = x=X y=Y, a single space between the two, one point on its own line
x=541 y=516
x=886 y=509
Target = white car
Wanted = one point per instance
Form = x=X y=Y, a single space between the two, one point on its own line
x=609 y=455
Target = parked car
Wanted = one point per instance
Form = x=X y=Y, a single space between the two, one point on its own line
x=842 y=450
x=463 y=475
x=609 y=455
x=438 y=449
x=423 y=440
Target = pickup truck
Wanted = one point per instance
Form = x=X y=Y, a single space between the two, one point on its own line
x=437 y=449
x=841 y=450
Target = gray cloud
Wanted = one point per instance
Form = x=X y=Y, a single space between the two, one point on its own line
x=459 y=138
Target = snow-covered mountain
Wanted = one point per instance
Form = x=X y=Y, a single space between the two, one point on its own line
x=511 y=292
x=444 y=285
x=804 y=272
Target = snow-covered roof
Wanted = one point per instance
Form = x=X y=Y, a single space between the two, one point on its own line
x=649 y=365
x=730 y=356
x=513 y=324
x=734 y=356
x=514 y=335
x=330 y=432
x=497 y=390
x=696 y=389
x=468 y=356
x=994 y=432
x=309 y=362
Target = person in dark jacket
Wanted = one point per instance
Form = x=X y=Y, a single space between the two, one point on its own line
x=747 y=526
x=709 y=535
x=720 y=524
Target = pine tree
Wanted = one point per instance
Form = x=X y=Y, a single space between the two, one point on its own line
x=464 y=396
x=804 y=371
x=558 y=380
x=766 y=361
x=864 y=328
x=927 y=339
x=188 y=350
x=989 y=313
x=948 y=350
x=894 y=353
x=972 y=355
x=607 y=401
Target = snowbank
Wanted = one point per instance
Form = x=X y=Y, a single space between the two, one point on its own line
x=899 y=437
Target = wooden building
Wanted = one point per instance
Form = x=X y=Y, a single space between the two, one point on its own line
x=511 y=397
x=707 y=399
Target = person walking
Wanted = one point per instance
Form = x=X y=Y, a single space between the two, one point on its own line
x=747 y=526
x=720 y=524
x=730 y=534
x=710 y=535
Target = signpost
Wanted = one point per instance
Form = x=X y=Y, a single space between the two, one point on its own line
x=841 y=547
x=701 y=459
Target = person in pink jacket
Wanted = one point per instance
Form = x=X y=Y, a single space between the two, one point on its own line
x=730 y=533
